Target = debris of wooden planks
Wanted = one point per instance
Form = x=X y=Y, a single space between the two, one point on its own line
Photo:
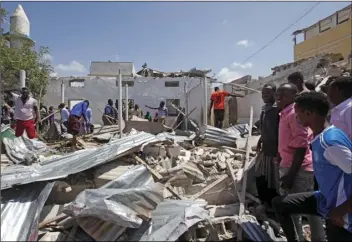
x=210 y=186
x=157 y=176
x=52 y=220
x=235 y=181
x=82 y=143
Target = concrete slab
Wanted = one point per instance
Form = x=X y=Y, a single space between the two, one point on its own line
x=148 y=127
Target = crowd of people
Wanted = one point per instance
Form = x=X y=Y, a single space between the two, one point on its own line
x=22 y=113
x=305 y=165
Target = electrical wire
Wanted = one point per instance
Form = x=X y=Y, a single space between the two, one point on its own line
x=283 y=31
x=277 y=36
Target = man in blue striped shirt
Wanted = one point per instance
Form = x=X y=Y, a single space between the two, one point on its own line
x=332 y=164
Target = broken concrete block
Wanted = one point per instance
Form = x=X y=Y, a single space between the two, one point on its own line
x=162 y=151
x=180 y=180
x=173 y=151
x=166 y=163
x=208 y=163
x=199 y=152
x=221 y=165
x=229 y=152
x=223 y=210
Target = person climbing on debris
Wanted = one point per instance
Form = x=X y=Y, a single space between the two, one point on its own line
x=162 y=112
x=137 y=111
x=26 y=107
x=218 y=101
x=340 y=94
x=267 y=169
x=75 y=121
x=332 y=152
x=64 y=116
x=108 y=117
x=296 y=168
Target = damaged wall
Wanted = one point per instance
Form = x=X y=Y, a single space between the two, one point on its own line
x=146 y=91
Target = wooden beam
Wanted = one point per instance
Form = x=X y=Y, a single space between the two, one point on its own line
x=157 y=176
x=210 y=186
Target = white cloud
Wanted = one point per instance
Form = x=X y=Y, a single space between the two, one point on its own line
x=74 y=67
x=228 y=74
x=242 y=66
x=53 y=74
x=225 y=21
x=117 y=57
x=245 y=43
x=48 y=57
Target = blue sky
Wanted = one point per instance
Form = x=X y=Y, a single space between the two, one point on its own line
x=170 y=36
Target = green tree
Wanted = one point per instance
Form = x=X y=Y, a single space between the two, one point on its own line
x=35 y=63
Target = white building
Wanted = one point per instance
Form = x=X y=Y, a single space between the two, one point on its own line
x=143 y=91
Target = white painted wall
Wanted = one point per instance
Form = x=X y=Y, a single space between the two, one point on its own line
x=146 y=91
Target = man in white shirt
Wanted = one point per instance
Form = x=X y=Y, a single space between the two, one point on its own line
x=26 y=114
x=64 y=115
x=340 y=93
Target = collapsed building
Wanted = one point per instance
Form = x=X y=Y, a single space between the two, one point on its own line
x=182 y=89
x=141 y=187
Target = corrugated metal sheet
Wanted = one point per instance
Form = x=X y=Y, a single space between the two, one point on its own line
x=105 y=213
x=172 y=218
x=21 y=149
x=20 y=211
x=238 y=130
x=78 y=161
x=218 y=137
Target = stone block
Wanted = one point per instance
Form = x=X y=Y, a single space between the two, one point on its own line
x=173 y=150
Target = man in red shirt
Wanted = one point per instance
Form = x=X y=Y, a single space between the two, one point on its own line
x=218 y=101
x=26 y=114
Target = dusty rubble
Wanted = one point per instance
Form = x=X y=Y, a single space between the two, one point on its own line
x=142 y=187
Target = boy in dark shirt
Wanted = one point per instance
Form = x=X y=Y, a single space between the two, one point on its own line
x=267 y=172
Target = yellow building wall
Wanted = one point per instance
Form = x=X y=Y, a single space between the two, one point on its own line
x=336 y=40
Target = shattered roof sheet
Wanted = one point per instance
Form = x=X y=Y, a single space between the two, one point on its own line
x=78 y=161
x=20 y=211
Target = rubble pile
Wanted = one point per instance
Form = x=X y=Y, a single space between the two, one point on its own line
x=141 y=187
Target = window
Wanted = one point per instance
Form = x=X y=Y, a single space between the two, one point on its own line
x=325 y=24
x=172 y=111
x=343 y=16
x=129 y=83
x=77 y=83
x=172 y=83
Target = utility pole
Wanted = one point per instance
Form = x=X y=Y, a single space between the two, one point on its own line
x=126 y=102
x=120 y=103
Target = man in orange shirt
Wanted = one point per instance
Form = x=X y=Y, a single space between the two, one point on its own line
x=218 y=100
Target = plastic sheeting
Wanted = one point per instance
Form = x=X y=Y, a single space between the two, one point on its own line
x=61 y=167
x=20 y=211
x=218 y=137
x=119 y=204
x=21 y=149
